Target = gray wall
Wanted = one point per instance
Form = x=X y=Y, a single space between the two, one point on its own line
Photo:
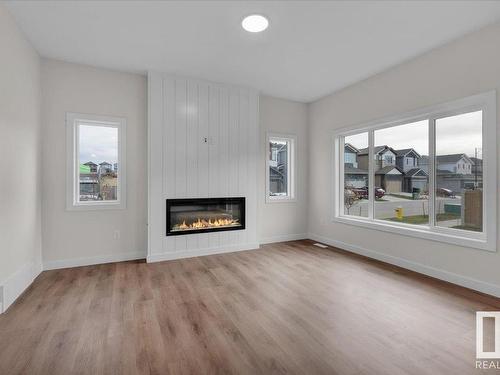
x=20 y=161
x=467 y=66
x=283 y=220
x=75 y=237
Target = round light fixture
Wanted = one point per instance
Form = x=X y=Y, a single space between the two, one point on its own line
x=255 y=23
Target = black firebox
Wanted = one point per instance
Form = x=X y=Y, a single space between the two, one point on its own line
x=203 y=215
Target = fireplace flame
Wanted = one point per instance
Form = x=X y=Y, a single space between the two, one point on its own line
x=203 y=224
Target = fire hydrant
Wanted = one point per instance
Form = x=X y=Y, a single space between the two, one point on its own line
x=399 y=212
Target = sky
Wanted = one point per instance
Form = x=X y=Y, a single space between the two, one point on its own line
x=454 y=135
x=98 y=144
x=460 y=134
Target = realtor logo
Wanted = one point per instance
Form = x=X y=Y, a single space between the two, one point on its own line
x=480 y=315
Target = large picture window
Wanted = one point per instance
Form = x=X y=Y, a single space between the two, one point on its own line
x=430 y=173
x=95 y=162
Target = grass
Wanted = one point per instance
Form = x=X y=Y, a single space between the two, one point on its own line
x=424 y=219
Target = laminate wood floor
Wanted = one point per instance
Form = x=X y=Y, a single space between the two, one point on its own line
x=287 y=308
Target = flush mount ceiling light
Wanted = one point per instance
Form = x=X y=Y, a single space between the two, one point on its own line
x=255 y=23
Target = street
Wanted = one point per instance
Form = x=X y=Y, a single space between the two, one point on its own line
x=385 y=208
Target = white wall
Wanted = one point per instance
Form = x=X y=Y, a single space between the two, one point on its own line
x=183 y=112
x=20 y=162
x=282 y=221
x=85 y=237
x=465 y=67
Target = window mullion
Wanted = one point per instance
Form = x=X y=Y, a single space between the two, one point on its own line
x=76 y=161
x=371 y=175
x=432 y=174
x=289 y=171
x=341 y=189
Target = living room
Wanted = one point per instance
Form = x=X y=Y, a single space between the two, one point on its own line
x=248 y=187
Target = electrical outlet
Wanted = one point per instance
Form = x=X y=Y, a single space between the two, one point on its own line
x=116 y=234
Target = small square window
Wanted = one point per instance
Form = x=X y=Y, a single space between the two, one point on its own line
x=96 y=162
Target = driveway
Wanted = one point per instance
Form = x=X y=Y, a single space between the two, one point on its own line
x=385 y=209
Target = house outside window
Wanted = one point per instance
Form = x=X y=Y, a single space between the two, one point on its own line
x=95 y=162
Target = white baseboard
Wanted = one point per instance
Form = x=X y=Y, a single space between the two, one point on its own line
x=284 y=238
x=100 y=259
x=159 y=257
x=465 y=281
x=17 y=283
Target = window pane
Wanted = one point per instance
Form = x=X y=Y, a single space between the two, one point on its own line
x=355 y=176
x=401 y=173
x=98 y=162
x=459 y=172
x=279 y=168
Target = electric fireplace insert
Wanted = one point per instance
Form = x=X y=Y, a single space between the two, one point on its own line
x=202 y=215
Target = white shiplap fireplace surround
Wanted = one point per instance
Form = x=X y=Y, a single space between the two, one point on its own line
x=203 y=143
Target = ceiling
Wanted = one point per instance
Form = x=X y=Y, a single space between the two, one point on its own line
x=311 y=48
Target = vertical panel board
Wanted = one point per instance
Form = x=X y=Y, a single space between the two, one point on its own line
x=169 y=136
x=224 y=166
x=169 y=117
x=180 y=148
x=253 y=165
x=243 y=147
x=155 y=131
x=203 y=123
x=213 y=153
x=193 y=142
x=183 y=113
x=180 y=137
x=214 y=163
x=234 y=155
x=203 y=119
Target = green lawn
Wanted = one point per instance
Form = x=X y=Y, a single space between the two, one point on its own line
x=424 y=219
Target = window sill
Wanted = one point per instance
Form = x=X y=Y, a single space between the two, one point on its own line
x=473 y=240
x=95 y=206
x=281 y=200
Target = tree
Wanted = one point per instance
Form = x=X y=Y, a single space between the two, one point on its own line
x=350 y=199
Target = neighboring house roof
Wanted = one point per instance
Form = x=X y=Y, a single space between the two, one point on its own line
x=406 y=151
x=89 y=163
x=352 y=170
x=84 y=168
x=388 y=169
x=415 y=172
x=477 y=161
x=278 y=146
x=275 y=172
x=452 y=158
x=376 y=149
x=379 y=149
x=351 y=147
